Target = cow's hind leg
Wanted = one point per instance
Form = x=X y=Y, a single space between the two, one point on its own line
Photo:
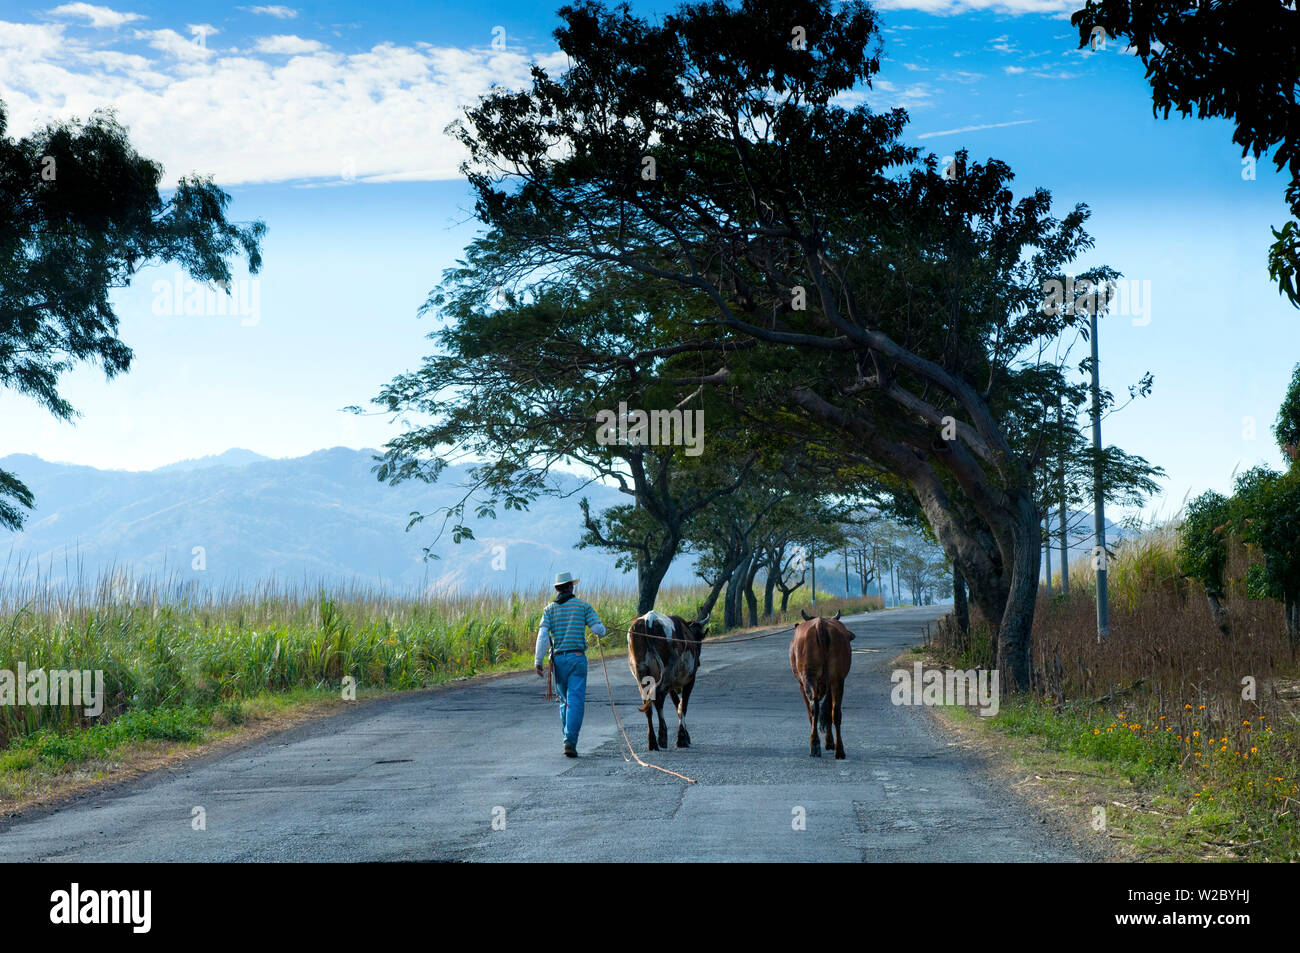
x=683 y=737
x=663 y=725
x=827 y=721
x=810 y=702
x=650 y=723
x=838 y=711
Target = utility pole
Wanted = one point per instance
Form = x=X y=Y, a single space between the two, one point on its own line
x=1098 y=502
x=1062 y=504
x=846 y=572
x=812 y=555
x=1047 y=550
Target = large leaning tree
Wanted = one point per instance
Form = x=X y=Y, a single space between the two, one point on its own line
x=81 y=214
x=889 y=302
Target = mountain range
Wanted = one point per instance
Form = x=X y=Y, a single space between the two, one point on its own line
x=240 y=518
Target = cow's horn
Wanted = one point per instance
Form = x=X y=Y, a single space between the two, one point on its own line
x=704 y=620
x=806 y=617
x=837 y=615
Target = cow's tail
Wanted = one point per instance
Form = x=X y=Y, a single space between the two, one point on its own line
x=649 y=622
x=646 y=697
x=824 y=640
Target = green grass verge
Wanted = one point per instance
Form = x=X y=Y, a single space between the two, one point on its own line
x=184 y=673
x=1173 y=797
x=50 y=762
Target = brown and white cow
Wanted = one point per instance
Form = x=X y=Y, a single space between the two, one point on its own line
x=820 y=657
x=663 y=653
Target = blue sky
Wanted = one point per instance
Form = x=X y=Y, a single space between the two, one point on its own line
x=326 y=120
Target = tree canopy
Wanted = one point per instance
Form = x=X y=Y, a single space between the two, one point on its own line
x=835 y=276
x=81 y=214
x=1263 y=515
x=1237 y=60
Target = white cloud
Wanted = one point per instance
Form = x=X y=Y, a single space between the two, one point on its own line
x=1013 y=70
x=98 y=17
x=292 y=45
x=193 y=47
x=40 y=41
x=991 y=125
x=885 y=95
x=280 y=13
x=250 y=115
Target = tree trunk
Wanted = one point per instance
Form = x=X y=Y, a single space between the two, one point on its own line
x=960 y=610
x=731 y=617
x=732 y=560
x=650 y=575
x=715 y=590
x=1013 y=652
x=999 y=559
x=751 y=599
x=1218 y=611
x=769 y=588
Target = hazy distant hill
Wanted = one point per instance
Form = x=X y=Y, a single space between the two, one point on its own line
x=1081 y=537
x=231 y=458
x=322 y=517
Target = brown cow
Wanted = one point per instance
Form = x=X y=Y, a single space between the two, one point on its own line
x=820 y=658
x=663 y=653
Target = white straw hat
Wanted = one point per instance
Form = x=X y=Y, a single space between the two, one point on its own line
x=564 y=577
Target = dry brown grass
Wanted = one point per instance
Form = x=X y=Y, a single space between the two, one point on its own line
x=1196 y=735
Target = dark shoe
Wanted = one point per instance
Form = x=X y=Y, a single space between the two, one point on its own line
x=570 y=751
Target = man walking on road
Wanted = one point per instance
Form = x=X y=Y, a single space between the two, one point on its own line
x=564 y=628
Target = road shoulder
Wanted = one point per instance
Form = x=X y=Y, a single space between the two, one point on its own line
x=141 y=763
x=1049 y=788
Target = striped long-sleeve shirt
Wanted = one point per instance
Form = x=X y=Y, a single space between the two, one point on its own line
x=564 y=627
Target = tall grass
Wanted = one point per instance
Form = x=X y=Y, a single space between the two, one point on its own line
x=167 y=643
x=1213 y=713
x=1211 y=721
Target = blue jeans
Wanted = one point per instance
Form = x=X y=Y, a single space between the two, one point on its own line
x=571 y=685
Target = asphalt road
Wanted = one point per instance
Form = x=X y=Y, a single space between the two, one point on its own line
x=476 y=773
